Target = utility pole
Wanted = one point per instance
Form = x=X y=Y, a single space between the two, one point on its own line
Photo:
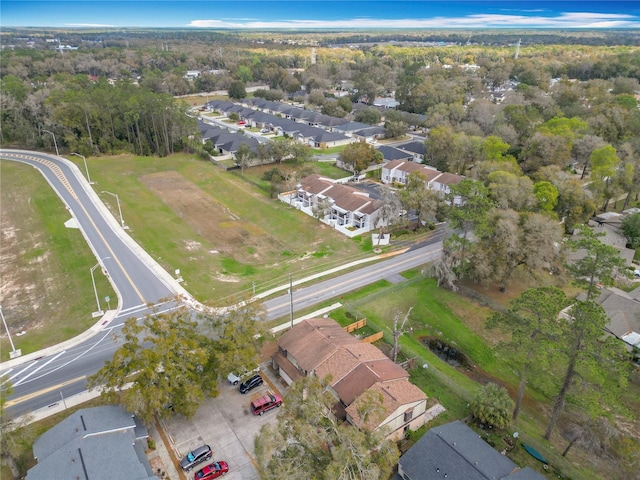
x=291 y=299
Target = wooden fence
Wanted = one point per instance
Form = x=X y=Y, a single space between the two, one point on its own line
x=356 y=325
x=373 y=338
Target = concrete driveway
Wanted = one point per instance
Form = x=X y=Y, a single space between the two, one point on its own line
x=227 y=425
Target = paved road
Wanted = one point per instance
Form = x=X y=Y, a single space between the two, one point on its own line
x=139 y=281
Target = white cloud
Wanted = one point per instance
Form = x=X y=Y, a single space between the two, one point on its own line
x=565 y=20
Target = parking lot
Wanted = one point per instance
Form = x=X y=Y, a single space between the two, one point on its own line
x=226 y=424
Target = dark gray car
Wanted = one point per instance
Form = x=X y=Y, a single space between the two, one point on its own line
x=250 y=384
x=196 y=456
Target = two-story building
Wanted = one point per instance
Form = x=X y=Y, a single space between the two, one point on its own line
x=320 y=347
x=345 y=208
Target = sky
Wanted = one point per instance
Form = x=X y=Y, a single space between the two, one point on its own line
x=322 y=14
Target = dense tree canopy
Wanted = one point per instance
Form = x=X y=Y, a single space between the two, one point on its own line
x=308 y=442
x=172 y=367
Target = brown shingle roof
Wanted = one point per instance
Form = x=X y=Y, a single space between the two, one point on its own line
x=313 y=341
x=447 y=178
x=394 y=394
x=366 y=374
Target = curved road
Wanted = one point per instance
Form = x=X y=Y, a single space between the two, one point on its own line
x=140 y=282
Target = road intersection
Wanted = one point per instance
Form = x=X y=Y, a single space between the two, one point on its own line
x=143 y=286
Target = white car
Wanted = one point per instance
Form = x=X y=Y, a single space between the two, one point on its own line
x=636 y=273
x=234 y=379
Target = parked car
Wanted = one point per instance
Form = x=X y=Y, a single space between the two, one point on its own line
x=241 y=123
x=234 y=379
x=250 y=384
x=213 y=470
x=264 y=130
x=265 y=403
x=196 y=456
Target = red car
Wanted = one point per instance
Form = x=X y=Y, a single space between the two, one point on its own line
x=267 y=402
x=213 y=470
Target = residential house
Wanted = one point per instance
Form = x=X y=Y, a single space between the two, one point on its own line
x=320 y=347
x=456 y=452
x=417 y=149
x=350 y=128
x=443 y=182
x=347 y=209
x=623 y=310
x=369 y=134
x=391 y=153
x=385 y=102
x=100 y=443
x=225 y=141
x=397 y=171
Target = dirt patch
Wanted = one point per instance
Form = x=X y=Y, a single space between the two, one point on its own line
x=220 y=226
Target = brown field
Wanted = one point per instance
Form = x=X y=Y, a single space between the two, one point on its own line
x=223 y=229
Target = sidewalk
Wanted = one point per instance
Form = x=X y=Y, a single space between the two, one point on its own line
x=190 y=302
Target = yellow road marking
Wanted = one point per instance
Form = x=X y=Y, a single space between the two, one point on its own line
x=24 y=398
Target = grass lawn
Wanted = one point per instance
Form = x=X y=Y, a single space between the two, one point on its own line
x=222 y=232
x=459 y=321
x=46 y=282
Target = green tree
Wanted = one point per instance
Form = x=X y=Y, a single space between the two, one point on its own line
x=599 y=264
x=439 y=144
x=300 y=152
x=395 y=129
x=426 y=203
x=468 y=205
x=595 y=368
x=167 y=363
x=604 y=164
x=492 y=406
x=511 y=191
x=345 y=104
x=309 y=442
x=631 y=229
x=369 y=115
x=244 y=156
x=239 y=337
x=245 y=74
x=13 y=434
x=360 y=155
x=532 y=324
x=237 y=90
x=494 y=149
x=547 y=195
x=333 y=109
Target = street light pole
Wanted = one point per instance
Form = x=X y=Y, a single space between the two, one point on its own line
x=95 y=291
x=119 y=209
x=86 y=168
x=13 y=348
x=54 y=140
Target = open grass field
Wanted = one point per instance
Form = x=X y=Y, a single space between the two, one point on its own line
x=46 y=289
x=222 y=232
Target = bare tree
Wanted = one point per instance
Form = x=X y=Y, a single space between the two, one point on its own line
x=398 y=331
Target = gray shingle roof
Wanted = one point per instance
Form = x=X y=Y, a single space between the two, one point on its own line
x=93 y=444
x=391 y=153
x=414 y=147
x=456 y=450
